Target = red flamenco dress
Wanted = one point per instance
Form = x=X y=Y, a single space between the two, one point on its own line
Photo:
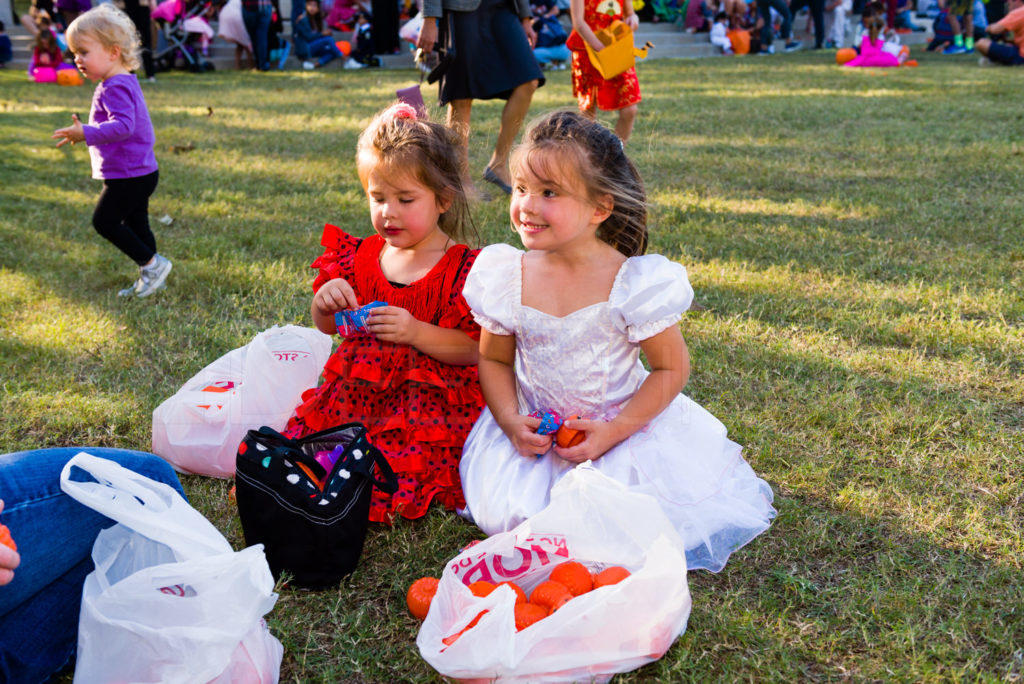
x=588 y=85
x=418 y=410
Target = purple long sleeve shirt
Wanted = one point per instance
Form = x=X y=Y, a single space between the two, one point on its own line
x=119 y=133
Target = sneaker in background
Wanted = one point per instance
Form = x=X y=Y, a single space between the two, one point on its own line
x=954 y=50
x=353 y=64
x=308 y=66
x=793 y=46
x=769 y=50
x=153 y=277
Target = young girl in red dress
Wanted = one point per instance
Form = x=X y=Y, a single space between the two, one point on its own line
x=591 y=89
x=412 y=378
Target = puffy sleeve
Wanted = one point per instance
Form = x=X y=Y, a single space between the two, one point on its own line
x=650 y=294
x=493 y=288
x=338 y=259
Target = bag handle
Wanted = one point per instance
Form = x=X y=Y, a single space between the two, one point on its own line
x=153 y=509
x=294 y=449
x=389 y=483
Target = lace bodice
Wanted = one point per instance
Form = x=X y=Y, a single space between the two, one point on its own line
x=588 y=361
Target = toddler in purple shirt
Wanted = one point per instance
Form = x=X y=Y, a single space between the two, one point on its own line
x=120 y=139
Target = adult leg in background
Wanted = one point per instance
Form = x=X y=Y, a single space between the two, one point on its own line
x=512 y=117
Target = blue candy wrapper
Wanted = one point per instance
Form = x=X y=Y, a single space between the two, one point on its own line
x=353 y=321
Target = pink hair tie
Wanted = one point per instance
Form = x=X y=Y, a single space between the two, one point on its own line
x=399 y=110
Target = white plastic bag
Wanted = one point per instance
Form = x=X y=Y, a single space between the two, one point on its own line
x=598 y=522
x=198 y=429
x=410 y=31
x=169 y=600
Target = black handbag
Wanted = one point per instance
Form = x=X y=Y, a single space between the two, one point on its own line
x=446 y=54
x=312 y=523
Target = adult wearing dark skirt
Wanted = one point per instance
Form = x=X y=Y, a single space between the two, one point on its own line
x=385 y=26
x=490 y=43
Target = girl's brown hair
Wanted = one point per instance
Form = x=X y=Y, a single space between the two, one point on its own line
x=400 y=141
x=568 y=140
x=316 y=21
x=111 y=27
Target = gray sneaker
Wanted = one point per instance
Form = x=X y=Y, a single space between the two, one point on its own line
x=152 y=277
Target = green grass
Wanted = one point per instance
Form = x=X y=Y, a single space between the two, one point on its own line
x=855 y=236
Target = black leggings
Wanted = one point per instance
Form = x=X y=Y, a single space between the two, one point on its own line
x=122 y=215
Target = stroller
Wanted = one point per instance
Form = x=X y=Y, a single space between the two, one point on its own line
x=181 y=26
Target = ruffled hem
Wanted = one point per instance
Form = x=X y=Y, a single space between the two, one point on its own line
x=457 y=385
x=413 y=503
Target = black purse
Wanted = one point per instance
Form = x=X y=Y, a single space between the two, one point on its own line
x=311 y=522
x=446 y=54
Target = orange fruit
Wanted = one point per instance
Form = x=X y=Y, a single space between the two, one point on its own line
x=452 y=638
x=550 y=595
x=574 y=576
x=567 y=437
x=559 y=602
x=527 y=614
x=609 y=576
x=420 y=594
x=520 y=594
x=5 y=538
x=482 y=588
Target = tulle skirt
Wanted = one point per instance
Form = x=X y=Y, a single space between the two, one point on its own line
x=683 y=458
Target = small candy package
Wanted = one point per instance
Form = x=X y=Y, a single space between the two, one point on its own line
x=352 y=322
x=551 y=422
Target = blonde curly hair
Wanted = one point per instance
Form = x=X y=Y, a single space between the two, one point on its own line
x=111 y=28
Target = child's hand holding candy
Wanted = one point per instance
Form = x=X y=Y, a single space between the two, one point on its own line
x=333 y=296
x=522 y=432
x=594 y=438
x=394 y=324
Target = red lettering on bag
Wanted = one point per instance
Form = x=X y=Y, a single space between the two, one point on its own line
x=533 y=553
x=291 y=355
x=499 y=564
x=219 y=386
x=477 y=573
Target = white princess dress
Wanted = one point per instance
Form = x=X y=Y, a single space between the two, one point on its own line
x=588 y=363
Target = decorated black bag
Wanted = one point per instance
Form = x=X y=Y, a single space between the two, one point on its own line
x=311 y=520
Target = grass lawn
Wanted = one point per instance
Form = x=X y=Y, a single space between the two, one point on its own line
x=857 y=239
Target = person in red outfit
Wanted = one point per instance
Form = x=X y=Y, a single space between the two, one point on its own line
x=412 y=378
x=593 y=91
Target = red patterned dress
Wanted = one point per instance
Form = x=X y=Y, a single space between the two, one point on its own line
x=589 y=87
x=418 y=410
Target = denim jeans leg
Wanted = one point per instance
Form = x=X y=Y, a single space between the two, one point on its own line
x=257 y=24
x=39 y=608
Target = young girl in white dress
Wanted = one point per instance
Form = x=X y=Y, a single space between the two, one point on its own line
x=563 y=327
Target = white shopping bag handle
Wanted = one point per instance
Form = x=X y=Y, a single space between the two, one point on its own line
x=153 y=509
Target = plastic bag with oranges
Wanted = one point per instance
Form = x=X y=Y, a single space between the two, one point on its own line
x=478 y=625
